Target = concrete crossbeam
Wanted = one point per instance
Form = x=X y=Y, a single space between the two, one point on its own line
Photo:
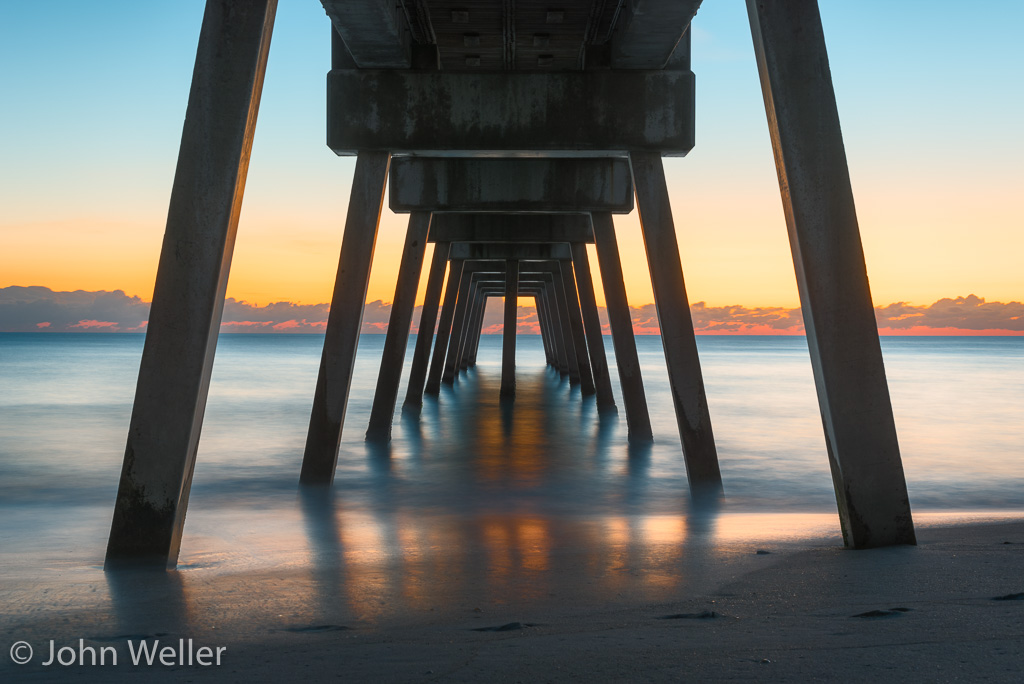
x=512 y=185
x=476 y=251
x=476 y=114
x=484 y=227
x=648 y=34
x=373 y=31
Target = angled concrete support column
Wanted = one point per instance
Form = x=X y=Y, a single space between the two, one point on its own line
x=592 y=327
x=576 y=327
x=508 y=343
x=543 y=325
x=856 y=412
x=469 y=344
x=451 y=363
x=428 y=319
x=188 y=300
x=478 y=324
x=345 y=319
x=545 y=332
x=444 y=327
x=626 y=360
x=561 y=301
x=459 y=345
x=393 y=359
x=472 y=300
x=685 y=379
x=557 y=334
x=467 y=333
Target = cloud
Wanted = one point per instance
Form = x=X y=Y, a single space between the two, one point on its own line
x=963 y=315
x=31 y=309
x=34 y=309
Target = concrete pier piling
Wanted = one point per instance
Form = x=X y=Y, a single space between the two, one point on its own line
x=508 y=345
x=677 y=337
x=345 y=319
x=444 y=327
x=397 y=339
x=835 y=298
x=627 y=361
x=576 y=326
x=188 y=300
x=451 y=362
x=592 y=328
x=428 y=319
x=510 y=190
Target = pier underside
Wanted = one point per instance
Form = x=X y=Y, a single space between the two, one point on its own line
x=510 y=136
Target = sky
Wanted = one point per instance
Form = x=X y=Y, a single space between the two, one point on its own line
x=930 y=97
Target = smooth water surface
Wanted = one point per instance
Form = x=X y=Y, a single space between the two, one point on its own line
x=65 y=403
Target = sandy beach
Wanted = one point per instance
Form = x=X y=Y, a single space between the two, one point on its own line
x=949 y=609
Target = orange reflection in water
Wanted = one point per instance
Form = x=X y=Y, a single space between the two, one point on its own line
x=508 y=437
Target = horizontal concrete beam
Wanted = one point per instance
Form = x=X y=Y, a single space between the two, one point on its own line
x=506 y=250
x=373 y=31
x=511 y=228
x=497 y=266
x=648 y=33
x=511 y=185
x=474 y=114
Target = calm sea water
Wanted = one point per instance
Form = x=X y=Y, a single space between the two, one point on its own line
x=65 y=402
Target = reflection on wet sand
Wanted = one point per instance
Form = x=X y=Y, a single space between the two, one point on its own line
x=479 y=508
x=516 y=522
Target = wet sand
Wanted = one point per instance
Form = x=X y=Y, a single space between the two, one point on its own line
x=505 y=544
x=794 y=610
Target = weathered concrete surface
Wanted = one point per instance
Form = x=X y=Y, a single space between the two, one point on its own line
x=428 y=319
x=188 y=300
x=466 y=114
x=562 y=307
x=648 y=33
x=444 y=327
x=458 y=324
x=592 y=328
x=502 y=251
x=860 y=433
x=345 y=319
x=627 y=362
x=477 y=330
x=677 y=337
x=508 y=342
x=393 y=356
x=489 y=227
x=557 y=332
x=576 y=326
x=373 y=30
x=571 y=185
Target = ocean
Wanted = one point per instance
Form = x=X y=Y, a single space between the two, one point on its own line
x=65 y=402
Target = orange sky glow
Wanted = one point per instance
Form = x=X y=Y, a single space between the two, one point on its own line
x=938 y=220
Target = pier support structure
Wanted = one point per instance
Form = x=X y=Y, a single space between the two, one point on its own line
x=860 y=432
x=188 y=300
x=497 y=139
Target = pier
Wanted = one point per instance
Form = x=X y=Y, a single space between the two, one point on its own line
x=510 y=138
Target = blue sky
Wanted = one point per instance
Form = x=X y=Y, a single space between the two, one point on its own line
x=930 y=95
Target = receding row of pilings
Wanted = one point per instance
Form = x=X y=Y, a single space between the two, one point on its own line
x=599 y=135
x=555 y=274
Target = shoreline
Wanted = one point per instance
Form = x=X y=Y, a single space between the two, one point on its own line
x=790 y=613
